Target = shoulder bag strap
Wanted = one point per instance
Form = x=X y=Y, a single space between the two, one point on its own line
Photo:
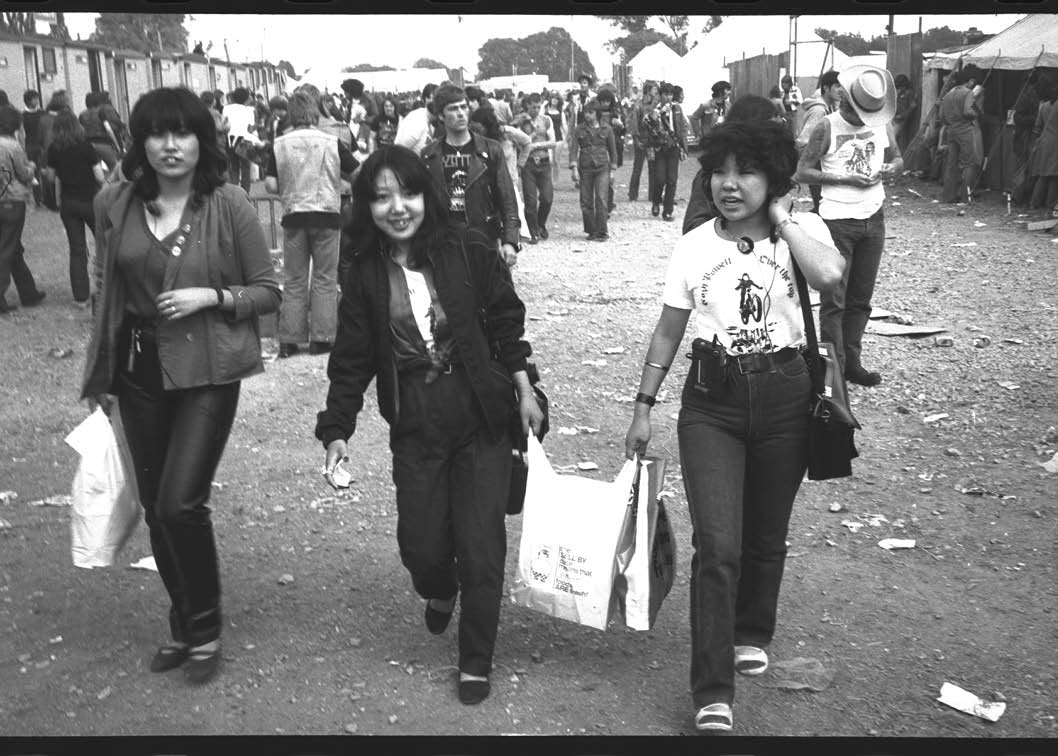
x=815 y=368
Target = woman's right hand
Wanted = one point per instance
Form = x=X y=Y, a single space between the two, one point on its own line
x=103 y=401
x=638 y=436
x=337 y=451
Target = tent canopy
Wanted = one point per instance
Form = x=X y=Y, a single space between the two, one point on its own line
x=1030 y=42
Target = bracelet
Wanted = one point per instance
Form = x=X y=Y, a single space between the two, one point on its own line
x=646 y=399
x=784 y=223
x=220 y=296
x=648 y=363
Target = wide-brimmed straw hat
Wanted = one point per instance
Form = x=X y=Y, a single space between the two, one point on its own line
x=871 y=93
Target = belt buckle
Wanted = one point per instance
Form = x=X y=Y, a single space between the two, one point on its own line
x=754 y=358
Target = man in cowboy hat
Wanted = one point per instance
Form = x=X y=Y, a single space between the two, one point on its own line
x=849 y=153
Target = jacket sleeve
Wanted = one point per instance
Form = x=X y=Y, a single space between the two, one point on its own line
x=699 y=207
x=508 y=200
x=351 y=366
x=258 y=294
x=503 y=309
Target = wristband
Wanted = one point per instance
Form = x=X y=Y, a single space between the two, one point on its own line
x=646 y=399
x=648 y=363
x=784 y=223
x=220 y=296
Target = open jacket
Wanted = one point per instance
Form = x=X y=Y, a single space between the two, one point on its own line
x=485 y=314
x=226 y=248
x=495 y=216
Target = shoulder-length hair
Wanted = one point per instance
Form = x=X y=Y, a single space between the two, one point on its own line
x=178 y=110
x=302 y=110
x=67 y=130
x=765 y=146
x=414 y=176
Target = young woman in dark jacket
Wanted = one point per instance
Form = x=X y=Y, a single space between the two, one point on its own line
x=432 y=316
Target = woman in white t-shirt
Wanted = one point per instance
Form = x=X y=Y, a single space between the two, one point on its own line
x=742 y=426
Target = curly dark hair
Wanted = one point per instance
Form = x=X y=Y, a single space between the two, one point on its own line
x=173 y=109
x=766 y=146
x=412 y=174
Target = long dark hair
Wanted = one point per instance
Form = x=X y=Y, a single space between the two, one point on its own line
x=413 y=175
x=173 y=109
x=67 y=130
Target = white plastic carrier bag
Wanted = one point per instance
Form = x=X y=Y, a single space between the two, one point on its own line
x=568 y=548
x=105 y=507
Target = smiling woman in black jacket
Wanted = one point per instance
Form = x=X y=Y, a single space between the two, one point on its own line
x=431 y=314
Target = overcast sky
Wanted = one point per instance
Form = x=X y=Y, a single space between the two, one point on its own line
x=329 y=42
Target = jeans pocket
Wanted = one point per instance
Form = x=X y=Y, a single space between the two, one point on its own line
x=794 y=368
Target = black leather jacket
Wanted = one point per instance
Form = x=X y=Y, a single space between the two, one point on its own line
x=487 y=320
x=491 y=204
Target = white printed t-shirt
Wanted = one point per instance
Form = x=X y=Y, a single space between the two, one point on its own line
x=748 y=301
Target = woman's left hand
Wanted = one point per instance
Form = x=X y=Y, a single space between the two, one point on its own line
x=179 y=303
x=532 y=415
x=780 y=207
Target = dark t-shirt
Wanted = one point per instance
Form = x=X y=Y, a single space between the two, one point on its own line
x=456 y=163
x=92 y=123
x=73 y=165
x=141 y=262
x=385 y=128
x=31 y=125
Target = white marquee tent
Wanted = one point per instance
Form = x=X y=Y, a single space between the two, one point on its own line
x=656 y=62
x=1028 y=43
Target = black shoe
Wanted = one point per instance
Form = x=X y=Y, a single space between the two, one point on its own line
x=667 y=217
x=600 y=237
x=543 y=232
x=534 y=239
x=169 y=657
x=201 y=664
x=287 y=350
x=473 y=691
x=862 y=377
x=35 y=300
x=436 y=620
x=655 y=209
x=319 y=347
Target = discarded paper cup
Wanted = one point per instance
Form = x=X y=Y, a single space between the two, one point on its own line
x=943 y=341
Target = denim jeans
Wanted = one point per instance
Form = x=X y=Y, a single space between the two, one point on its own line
x=13 y=254
x=177 y=439
x=594 y=185
x=962 y=164
x=310 y=285
x=666 y=173
x=743 y=453
x=845 y=310
x=539 y=192
x=452 y=481
x=75 y=215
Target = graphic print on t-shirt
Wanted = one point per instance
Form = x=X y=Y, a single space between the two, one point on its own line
x=456 y=163
x=857 y=151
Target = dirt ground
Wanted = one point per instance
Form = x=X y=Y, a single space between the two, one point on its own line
x=952 y=448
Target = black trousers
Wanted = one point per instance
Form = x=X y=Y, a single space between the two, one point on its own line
x=13 y=255
x=75 y=215
x=452 y=482
x=177 y=439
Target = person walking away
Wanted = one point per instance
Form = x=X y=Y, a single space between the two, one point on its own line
x=593 y=160
x=409 y=322
x=305 y=169
x=79 y=176
x=827 y=101
x=855 y=149
x=667 y=136
x=471 y=171
x=958 y=116
x=34 y=145
x=242 y=121
x=640 y=149
x=184 y=275
x=15 y=191
x=743 y=422
x=98 y=130
x=537 y=186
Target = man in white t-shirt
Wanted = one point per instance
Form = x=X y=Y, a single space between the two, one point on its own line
x=849 y=153
x=416 y=129
x=242 y=120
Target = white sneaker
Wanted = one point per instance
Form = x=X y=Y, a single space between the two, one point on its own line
x=714 y=717
x=750 y=660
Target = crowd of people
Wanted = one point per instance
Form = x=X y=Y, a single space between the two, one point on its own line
x=402 y=223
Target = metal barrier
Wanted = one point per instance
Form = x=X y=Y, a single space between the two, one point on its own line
x=274 y=218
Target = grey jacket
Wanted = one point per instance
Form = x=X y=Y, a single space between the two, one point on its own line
x=308 y=170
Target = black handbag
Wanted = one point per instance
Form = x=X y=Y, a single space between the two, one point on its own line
x=519 y=444
x=831 y=424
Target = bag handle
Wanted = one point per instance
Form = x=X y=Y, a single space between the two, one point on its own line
x=815 y=368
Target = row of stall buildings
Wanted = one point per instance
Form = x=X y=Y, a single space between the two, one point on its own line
x=47 y=64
